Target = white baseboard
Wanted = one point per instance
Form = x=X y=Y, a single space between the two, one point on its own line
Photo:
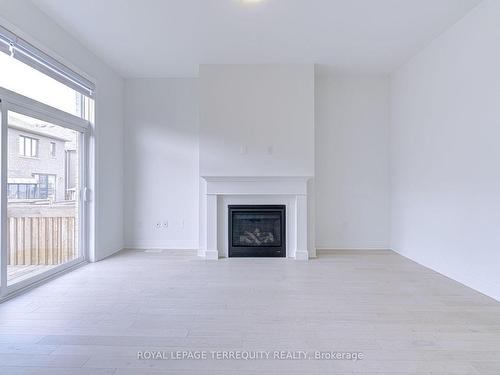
x=302 y=255
x=175 y=251
x=326 y=249
x=105 y=255
x=162 y=245
x=211 y=254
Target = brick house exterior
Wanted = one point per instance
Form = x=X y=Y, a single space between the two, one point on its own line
x=46 y=170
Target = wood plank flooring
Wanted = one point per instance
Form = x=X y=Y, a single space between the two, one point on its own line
x=404 y=318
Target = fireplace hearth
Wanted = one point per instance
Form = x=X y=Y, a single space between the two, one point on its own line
x=257 y=231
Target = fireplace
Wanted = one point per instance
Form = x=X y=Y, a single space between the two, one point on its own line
x=257 y=231
x=218 y=193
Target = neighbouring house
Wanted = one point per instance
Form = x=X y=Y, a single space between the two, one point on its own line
x=42 y=162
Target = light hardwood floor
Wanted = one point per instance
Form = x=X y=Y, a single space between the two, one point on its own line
x=406 y=319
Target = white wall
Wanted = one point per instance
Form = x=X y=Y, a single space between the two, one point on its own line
x=255 y=107
x=445 y=154
x=352 y=176
x=22 y=17
x=161 y=159
x=351 y=162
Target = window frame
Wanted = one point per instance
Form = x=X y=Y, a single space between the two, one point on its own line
x=29 y=54
x=11 y=101
x=47 y=176
x=31 y=140
x=52 y=149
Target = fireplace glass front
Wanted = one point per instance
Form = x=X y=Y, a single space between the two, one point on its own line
x=257 y=231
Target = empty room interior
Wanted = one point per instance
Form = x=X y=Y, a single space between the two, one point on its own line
x=249 y=187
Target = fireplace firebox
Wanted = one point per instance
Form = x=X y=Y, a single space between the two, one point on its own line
x=257 y=231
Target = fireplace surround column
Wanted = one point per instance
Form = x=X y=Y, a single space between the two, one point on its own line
x=301 y=252
x=212 y=251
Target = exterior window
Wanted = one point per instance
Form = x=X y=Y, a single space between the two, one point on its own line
x=46 y=186
x=44 y=222
x=53 y=149
x=28 y=146
x=22 y=191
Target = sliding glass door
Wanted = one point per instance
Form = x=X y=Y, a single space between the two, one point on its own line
x=43 y=177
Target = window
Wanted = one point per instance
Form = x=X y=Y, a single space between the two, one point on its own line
x=46 y=109
x=28 y=146
x=22 y=191
x=41 y=219
x=46 y=186
x=43 y=78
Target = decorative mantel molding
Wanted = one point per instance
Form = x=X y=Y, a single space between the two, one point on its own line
x=219 y=191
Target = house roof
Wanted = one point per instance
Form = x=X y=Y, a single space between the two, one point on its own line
x=19 y=125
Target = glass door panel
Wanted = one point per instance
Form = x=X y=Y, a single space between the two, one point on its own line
x=43 y=205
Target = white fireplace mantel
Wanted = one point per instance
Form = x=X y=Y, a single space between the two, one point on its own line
x=217 y=192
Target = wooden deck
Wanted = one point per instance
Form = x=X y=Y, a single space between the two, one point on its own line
x=19 y=273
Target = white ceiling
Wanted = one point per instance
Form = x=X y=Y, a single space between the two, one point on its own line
x=167 y=38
